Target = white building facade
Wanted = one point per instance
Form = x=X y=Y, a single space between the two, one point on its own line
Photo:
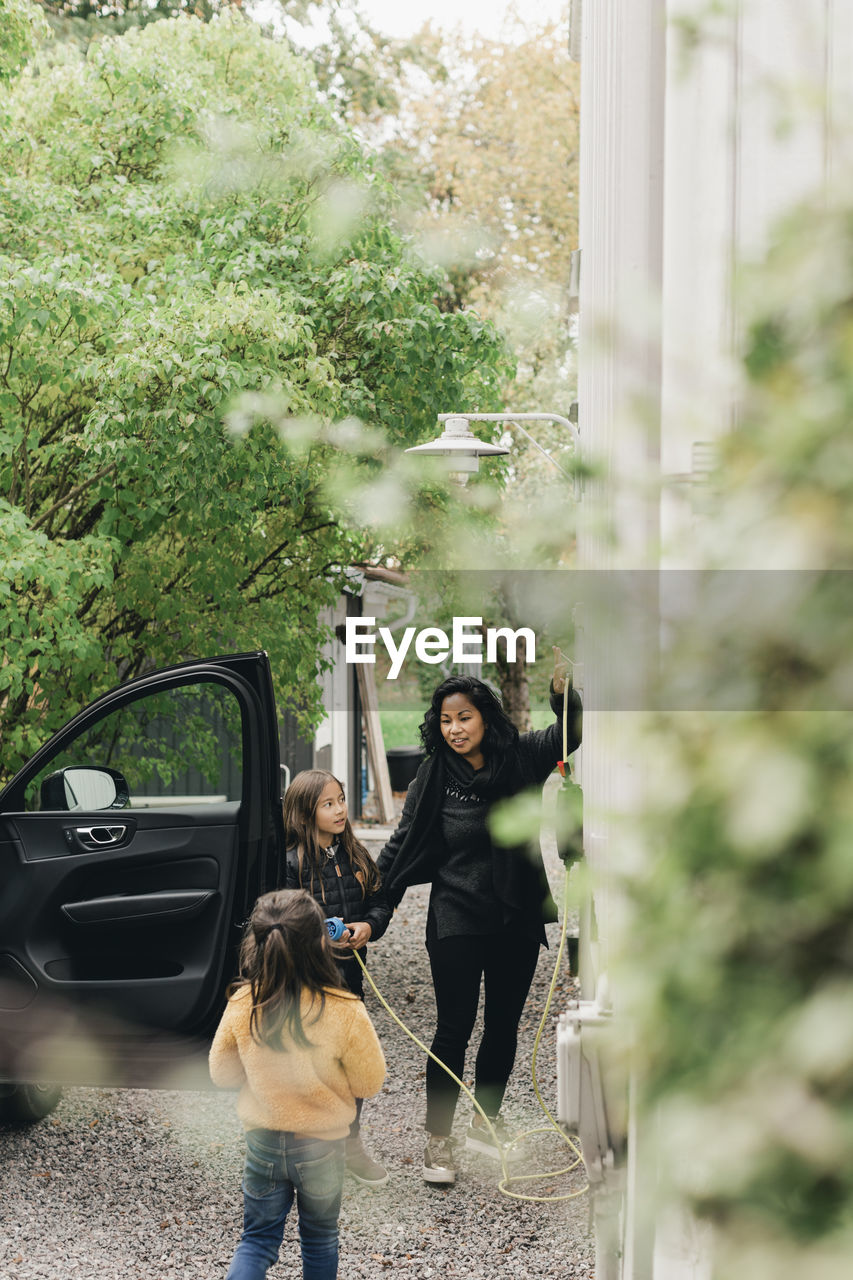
x=700 y=125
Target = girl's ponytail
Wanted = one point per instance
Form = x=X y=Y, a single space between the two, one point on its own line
x=285 y=953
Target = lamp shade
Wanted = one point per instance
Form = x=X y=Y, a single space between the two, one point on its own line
x=458 y=442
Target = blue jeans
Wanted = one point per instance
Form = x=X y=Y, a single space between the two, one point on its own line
x=280 y=1167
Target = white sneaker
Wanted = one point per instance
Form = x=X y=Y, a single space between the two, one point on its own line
x=440 y=1160
x=481 y=1139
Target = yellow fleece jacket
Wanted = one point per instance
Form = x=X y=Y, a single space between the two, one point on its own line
x=305 y=1090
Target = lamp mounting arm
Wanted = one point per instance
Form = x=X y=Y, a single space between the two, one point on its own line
x=516 y=419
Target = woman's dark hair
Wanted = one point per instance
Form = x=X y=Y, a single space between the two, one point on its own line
x=300 y=830
x=500 y=733
x=285 y=952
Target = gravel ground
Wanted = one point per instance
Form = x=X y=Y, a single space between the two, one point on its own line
x=144 y=1185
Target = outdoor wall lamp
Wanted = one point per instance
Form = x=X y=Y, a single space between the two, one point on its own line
x=464 y=450
x=459 y=444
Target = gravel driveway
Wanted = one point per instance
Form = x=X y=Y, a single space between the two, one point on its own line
x=138 y=1185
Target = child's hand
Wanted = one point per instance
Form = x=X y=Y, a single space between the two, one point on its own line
x=360 y=934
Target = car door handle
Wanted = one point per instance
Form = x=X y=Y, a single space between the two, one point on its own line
x=100 y=837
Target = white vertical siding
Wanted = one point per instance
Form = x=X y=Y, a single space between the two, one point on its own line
x=839 y=83
x=781 y=143
x=686 y=165
x=700 y=203
x=757 y=117
x=685 y=168
x=621 y=228
x=333 y=736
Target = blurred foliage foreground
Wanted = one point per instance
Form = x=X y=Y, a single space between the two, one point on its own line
x=738 y=959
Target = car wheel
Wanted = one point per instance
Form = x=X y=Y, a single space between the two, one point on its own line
x=26 y=1103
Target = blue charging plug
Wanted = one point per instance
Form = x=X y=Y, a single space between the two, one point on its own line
x=336 y=927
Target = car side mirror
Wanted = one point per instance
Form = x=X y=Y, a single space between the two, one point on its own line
x=85 y=787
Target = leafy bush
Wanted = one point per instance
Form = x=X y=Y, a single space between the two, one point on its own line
x=739 y=943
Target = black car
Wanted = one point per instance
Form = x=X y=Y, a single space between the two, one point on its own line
x=132 y=847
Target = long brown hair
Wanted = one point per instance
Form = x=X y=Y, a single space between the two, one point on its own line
x=285 y=952
x=300 y=829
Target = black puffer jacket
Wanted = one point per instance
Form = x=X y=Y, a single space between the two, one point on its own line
x=338 y=891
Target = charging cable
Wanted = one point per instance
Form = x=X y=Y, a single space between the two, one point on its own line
x=507 y=1178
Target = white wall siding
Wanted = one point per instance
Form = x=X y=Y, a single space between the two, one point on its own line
x=757 y=117
x=686 y=165
x=333 y=740
x=621 y=229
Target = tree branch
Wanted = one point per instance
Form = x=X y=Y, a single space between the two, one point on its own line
x=74 y=493
x=276 y=551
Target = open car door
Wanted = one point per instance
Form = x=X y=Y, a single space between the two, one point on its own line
x=132 y=847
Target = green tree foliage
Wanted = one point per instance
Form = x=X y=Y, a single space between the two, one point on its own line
x=185 y=225
x=358 y=68
x=740 y=965
x=488 y=152
x=22 y=27
x=495 y=140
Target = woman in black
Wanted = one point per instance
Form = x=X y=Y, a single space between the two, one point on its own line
x=489 y=905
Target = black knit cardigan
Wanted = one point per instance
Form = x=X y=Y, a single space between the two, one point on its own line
x=416 y=850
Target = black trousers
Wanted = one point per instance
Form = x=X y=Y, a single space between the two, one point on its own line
x=504 y=963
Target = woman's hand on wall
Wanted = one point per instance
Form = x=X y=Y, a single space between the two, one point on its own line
x=562 y=670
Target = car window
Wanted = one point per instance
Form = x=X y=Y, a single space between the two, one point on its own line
x=175 y=746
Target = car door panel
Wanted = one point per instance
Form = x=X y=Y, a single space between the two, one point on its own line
x=138 y=908
x=143 y=966
x=136 y=932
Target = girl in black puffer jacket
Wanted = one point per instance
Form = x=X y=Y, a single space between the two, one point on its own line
x=324 y=857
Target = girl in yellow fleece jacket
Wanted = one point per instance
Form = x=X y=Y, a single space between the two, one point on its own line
x=301 y=1050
